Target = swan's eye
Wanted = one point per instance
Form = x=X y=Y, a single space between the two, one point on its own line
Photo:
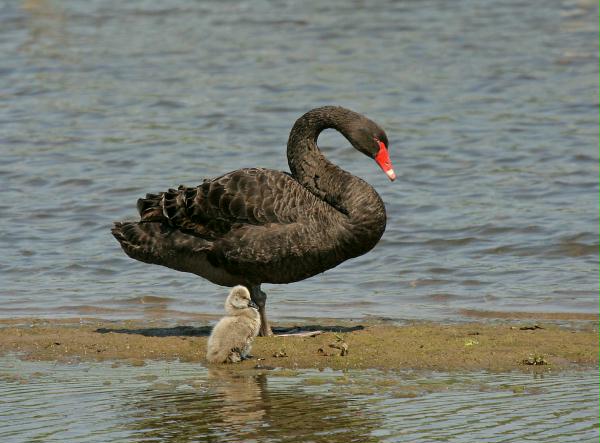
x=380 y=143
x=383 y=140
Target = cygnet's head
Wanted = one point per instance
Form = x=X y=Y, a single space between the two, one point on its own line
x=238 y=300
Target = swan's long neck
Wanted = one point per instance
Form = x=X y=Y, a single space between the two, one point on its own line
x=362 y=207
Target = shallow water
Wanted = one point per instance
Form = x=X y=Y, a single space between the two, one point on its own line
x=491 y=109
x=162 y=401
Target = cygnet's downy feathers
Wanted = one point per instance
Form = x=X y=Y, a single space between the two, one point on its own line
x=232 y=336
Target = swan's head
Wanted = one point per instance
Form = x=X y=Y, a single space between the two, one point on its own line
x=366 y=136
x=238 y=300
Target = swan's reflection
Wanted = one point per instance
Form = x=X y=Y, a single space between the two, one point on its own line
x=234 y=406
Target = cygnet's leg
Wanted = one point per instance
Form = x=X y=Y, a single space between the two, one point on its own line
x=260 y=298
x=245 y=354
x=234 y=356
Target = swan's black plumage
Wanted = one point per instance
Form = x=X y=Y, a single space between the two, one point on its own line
x=256 y=225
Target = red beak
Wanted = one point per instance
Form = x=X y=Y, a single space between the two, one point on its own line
x=383 y=160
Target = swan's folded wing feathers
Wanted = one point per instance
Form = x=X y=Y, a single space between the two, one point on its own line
x=252 y=196
x=150 y=208
x=243 y=196
x=256 y=250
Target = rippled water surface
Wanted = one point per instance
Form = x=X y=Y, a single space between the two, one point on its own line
x=185 y=402
x=491 y=109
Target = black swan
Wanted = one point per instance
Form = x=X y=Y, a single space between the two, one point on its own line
x=256 y=225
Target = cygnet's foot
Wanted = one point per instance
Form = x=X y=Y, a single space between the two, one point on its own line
x=234 y=357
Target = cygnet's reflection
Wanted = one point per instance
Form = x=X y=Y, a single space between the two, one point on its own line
x=242 y=397
x=233 y=405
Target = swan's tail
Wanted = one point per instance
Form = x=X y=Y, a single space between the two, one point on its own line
x=140 y=240
x=161 y=244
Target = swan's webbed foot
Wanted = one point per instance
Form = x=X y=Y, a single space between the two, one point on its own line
x=260 y=298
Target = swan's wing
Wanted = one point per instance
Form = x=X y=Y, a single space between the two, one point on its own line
x=249 y=226
x=253 y=196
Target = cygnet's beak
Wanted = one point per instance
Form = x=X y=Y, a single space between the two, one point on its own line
x=253 y=305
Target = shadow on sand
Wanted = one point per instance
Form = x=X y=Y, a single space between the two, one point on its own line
x=204 y=331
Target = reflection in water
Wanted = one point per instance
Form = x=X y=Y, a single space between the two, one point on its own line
x=234 y=406
x=183 y=402
x=241 y=397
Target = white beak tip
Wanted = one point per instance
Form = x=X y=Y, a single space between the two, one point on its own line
x=391 y=174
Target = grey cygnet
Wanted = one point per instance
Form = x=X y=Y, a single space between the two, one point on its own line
x=232 y=336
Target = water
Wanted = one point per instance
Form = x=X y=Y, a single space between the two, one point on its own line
x=491 y=109
x=184 y=402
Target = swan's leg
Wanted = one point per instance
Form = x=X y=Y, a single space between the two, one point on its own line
x=260 y=298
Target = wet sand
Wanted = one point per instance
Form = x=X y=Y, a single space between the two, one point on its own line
x=499 y=345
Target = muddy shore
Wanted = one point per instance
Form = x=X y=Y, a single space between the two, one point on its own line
x=498 y=345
